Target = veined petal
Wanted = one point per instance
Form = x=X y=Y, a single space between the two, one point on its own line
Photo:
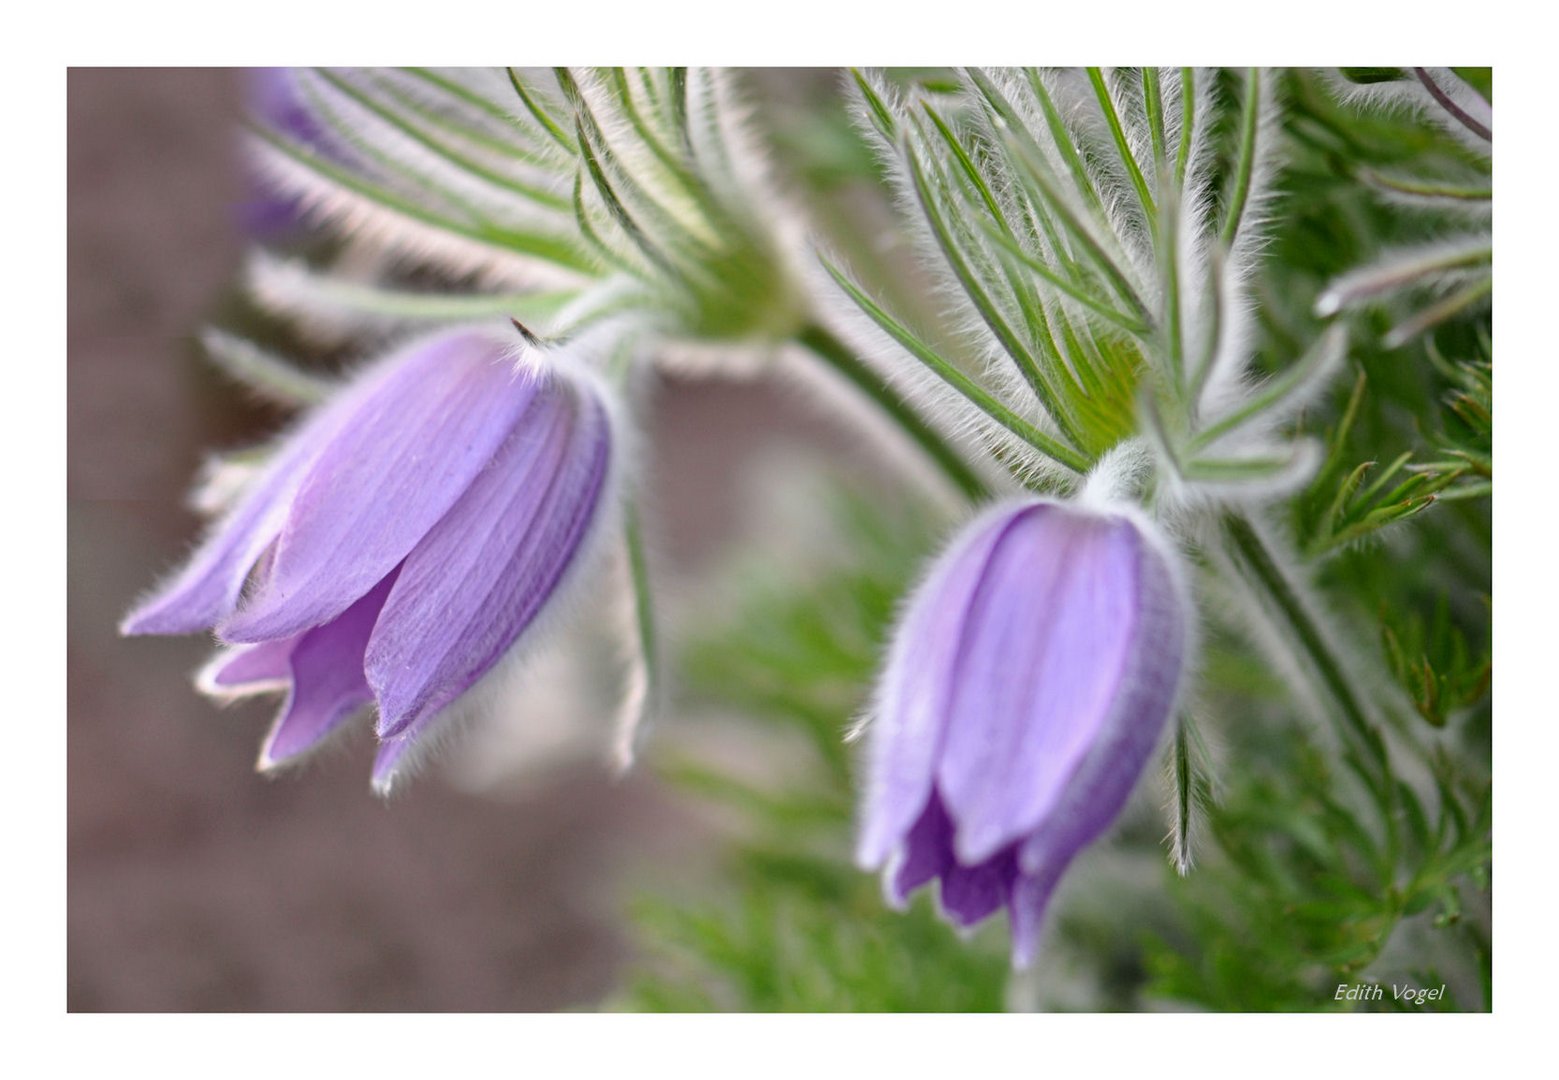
x=406 y=453
x=206 y=590
x=909 y=715
x=1097 y=790
x=1044 y=655
x=248 y=669
x=326 y=668
x=486 y=571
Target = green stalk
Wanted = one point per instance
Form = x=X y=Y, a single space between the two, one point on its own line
x=840 y=358
x=1252 y=553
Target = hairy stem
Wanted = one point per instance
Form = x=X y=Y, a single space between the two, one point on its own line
x=1263 y=569
x=841 y=359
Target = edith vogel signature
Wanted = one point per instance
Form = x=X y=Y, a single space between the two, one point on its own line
x=1417 y=995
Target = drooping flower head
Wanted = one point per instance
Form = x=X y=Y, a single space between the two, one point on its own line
x=1023 y=694
x=401 y=542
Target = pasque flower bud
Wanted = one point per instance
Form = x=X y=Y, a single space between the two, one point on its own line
x=402 y=540
x=1023 y=694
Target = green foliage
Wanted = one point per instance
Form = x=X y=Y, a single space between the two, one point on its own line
x=1302 y=896
x=794 y=926
x=1316 y=878
x=1314 y=861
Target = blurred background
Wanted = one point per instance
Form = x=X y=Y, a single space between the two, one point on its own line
x=195 y=884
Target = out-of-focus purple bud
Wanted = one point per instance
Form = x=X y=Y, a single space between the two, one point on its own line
x=275 y=100
x=403 y=539
x=1024 y=692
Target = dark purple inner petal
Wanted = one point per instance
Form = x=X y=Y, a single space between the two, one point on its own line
x=968 y=893
x=972 y=893
x=928 y=851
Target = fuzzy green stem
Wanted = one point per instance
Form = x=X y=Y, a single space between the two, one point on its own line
x=643 y=598
x=841 y=359
x=1264 y=571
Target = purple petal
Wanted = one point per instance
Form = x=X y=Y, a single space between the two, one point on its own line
x=1098 y=788
x=407 y=452
x=972 y=893
x=206 y=591
x=249 y=668
x=909 y=714
x=395 y=756
x=487 y=570
x=328 y=686
x=1031 y=895
x=928 y=850
x=276 y=99
x=1045 y=650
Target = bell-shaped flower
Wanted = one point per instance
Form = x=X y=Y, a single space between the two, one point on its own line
x=1023 y=694
x=404 y=539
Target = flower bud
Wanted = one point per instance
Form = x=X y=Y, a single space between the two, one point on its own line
x=1024 y=692
x=401 y=541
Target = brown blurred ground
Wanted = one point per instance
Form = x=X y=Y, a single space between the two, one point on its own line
x=194 y=884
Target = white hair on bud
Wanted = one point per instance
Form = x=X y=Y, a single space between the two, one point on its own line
x=343 y=306
x=221 y=482
x=755 y=188
x=267 y=375
x=1118 y=476
x=994 y=365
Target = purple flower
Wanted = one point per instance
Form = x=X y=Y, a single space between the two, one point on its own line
x=1024 y=691
x=275 y=99
x=400 y=542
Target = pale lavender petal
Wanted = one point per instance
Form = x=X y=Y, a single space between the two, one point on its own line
x=1068 y=640
x=207 y=589
x=326 y=668
x=910 y=711
x=1046 y=644
x=1098 y=788
x=404 y=456
x=486 y=571
x=249 y=667
x=393 y=757
x=1031 y=895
